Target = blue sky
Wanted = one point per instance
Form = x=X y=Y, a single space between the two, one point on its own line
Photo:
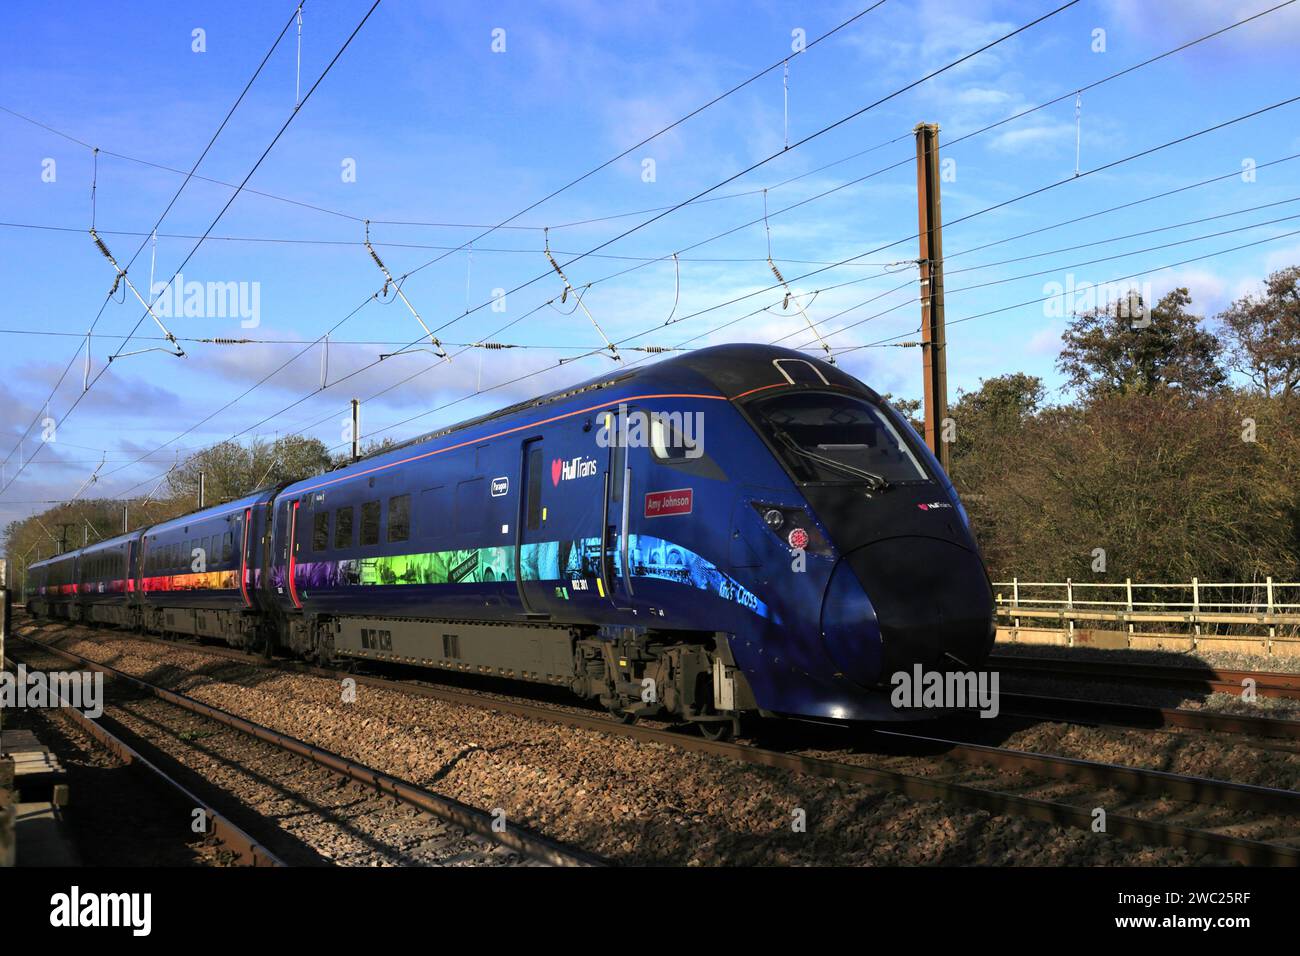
x=441 y=129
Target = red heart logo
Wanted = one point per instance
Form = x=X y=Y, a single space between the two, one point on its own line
x=924 y=507
x=556 y=465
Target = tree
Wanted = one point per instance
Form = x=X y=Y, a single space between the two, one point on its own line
x=909 y=408
x=1006 y=400
x=368 y=448
x=991 y=432
x=231 y=470
x=1107 y=352
x=1264 y=335
x=61 y=528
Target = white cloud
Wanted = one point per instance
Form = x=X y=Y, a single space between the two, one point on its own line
x=1189 y=18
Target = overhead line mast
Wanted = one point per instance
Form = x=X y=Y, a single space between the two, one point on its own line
x=934 y=362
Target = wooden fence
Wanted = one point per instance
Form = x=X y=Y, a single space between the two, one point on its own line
x=1253 y=617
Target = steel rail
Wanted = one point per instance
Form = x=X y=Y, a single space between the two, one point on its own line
x=1117 y=714
x=247 y=850
x=1136 y=780
x=1128 y=828
x=1267 y=683
x=517 y=838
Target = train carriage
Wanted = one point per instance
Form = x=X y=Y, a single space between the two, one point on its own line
x=52 y=587
x=199 y=572
x=742 y=529
x=106 y=592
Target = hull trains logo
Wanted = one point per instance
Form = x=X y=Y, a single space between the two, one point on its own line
x=575 y=467
x=934 y=505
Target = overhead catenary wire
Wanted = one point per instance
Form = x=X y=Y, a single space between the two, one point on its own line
x=95 y=151
x=578 y=303
x=1002 y=204
x=880 y=343
x=224 y=208
x=1055 y=269
x=397 y=289
x=643 y=211
x=767 y=159
x=822 y=131
x=1113 y=281
x=789 y=293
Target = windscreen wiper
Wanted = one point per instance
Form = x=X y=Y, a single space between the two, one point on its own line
x=876 y=482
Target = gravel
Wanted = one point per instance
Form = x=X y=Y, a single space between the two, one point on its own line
x=306 y=814
x=631 y=802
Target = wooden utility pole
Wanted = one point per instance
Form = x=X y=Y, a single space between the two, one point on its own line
x=356 y=429
x=934 y=362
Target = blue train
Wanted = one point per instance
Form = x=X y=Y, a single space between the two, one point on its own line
x=742 y=529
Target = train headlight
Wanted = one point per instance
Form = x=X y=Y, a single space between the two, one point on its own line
x=793 y=527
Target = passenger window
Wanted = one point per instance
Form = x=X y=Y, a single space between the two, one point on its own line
x=229 y=550
x=399 y=518
x=320 y=532
x=343 y=528
x=369 y=523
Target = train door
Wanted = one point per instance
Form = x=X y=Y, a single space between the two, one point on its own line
x=291 y=552
x=247 y=541
x=129 y=569
x=615 y=573
x=280 y=555
x=534 y=563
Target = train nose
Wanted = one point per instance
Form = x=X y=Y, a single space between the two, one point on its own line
x=904 y=601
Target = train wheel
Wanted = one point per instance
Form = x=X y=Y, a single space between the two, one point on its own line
x=622 y=716
x=716 y=729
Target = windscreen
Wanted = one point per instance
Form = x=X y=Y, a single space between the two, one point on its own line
x=824 y=436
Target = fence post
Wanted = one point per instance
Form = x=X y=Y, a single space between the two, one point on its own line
x=1196 y=611
x=1069 y=606
x=1015 y=602
x=1272 y=628
x=1128 y=597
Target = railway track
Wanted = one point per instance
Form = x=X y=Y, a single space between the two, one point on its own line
x=990 y=799
x=244 y=850
x=1144 y=716
x=1195 y=677
x=1138 y=781
x=472 y=820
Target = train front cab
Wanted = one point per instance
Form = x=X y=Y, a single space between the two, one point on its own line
x=908 y=586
